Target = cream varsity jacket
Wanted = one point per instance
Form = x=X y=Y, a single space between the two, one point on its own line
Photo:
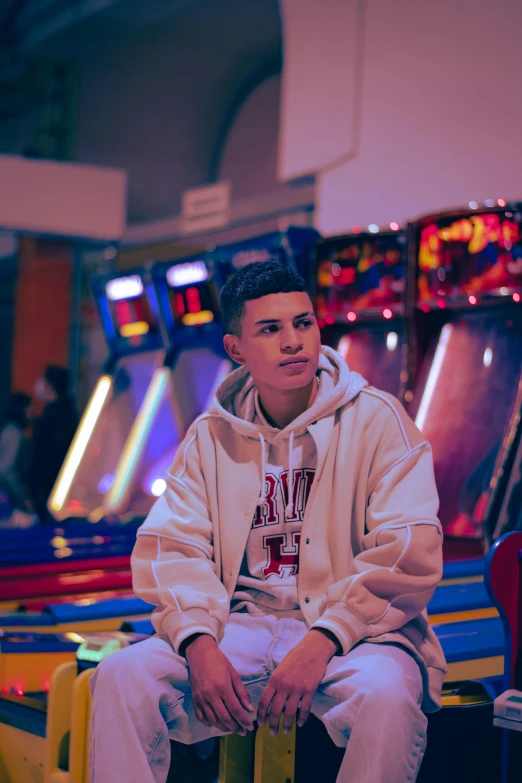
x=371 y=551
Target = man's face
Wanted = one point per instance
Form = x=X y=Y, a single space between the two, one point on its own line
x=280 y=341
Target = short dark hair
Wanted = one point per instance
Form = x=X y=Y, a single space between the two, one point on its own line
x=59 y=379
x=253 y=281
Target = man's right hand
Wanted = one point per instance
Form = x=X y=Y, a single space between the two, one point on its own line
x=220 y=699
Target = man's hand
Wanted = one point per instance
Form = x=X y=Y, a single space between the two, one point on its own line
x=296 y=680
x=220 y=699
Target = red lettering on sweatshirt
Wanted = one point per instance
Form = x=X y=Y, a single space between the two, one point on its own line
x=279 y=560
x=267 y=513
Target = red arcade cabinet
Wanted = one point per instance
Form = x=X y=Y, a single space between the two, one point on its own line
x=464 y=298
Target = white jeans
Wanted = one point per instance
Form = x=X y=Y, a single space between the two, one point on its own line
x=369 y=701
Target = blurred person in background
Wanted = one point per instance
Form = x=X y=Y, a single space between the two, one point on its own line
x=16 y=508
x=14 y=454
x=53 y=432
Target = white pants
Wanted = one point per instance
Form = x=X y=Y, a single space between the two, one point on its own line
x=369 y=701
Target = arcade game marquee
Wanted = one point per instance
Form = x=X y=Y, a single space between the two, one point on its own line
x=359 y=300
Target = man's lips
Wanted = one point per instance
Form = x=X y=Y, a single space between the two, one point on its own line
x=293 y=361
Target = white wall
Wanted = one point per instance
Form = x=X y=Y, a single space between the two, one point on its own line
x=249 y=156
x=441 y=117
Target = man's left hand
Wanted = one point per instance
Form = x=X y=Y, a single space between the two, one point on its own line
x=296 y=680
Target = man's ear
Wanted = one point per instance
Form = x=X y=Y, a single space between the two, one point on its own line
x=231 y=343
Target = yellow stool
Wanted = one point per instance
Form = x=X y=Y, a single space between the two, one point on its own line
x=68 y=715
x=272 y=759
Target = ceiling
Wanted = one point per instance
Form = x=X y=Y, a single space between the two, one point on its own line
x=161 y=83
x=29 y=24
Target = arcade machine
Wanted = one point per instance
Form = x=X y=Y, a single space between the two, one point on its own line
x=195 y=364
x=466 y=357
x=130 y=319
x=359 y=300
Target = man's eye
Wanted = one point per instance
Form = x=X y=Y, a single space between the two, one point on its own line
x=271 y=328
x=306 y=322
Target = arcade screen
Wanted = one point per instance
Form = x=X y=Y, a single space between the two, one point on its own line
x=135 y=324
x=195 y=377
x=476 y=253
x=95 y=473
x=193 y=294
x=469 y=385
x=359 y=272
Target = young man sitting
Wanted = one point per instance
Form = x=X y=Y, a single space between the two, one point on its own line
x=290 y=559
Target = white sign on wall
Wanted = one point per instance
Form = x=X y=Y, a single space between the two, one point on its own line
x=206 y=208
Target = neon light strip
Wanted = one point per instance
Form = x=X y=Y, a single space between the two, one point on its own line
x=79 y=444
x=223 y=370
x=433 y=376
x=136 y=440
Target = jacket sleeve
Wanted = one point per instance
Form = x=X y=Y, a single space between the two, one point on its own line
x=172 y=561
x=400 y=562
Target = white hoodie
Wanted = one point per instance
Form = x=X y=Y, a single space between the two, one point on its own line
x=267 y=581
x=371 y=544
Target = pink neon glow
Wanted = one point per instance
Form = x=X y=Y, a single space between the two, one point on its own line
x=441 y=303
x=329 y=319
x=394 y=226
x=516 y=297
x=356 y=229
x=472 y=299
x=501 y=202
x=387 y=313
x=352 y=316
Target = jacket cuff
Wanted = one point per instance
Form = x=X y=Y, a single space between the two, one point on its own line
x=349 y=628
x=178 y=626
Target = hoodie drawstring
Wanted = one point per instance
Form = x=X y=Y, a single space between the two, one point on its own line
x=289 y=510
x=262 y=496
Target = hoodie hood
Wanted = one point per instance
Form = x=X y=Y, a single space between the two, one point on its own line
x=235 y=401
x=235 y=397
